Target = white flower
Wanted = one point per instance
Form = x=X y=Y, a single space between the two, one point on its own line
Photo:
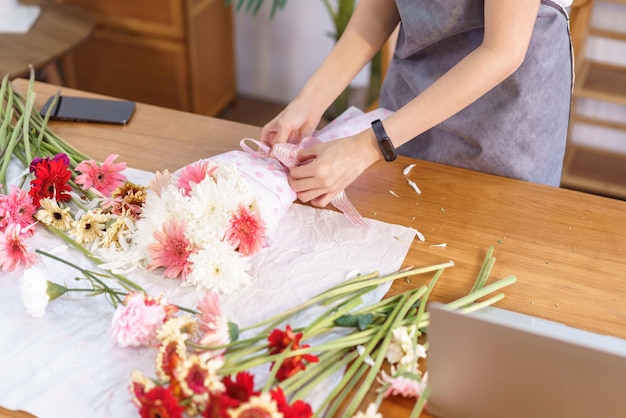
x=33 y=292
x=216 y=267
x=370 y=412
x=401 y=349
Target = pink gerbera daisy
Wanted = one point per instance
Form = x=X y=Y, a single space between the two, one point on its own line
x=13 y=251
x=194 y=174
x=104 y=178
x=16 y=208
x=408 y=385
x=246 y=231
x=172 y=250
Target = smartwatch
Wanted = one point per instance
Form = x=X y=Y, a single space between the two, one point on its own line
x=385 y=144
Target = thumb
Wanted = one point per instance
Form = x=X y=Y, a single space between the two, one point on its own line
x=275 y=133
x=306 y=155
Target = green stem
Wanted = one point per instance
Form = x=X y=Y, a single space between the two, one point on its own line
x=472 y=297
x=126 y=283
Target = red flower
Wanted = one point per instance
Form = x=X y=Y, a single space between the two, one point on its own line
x=299 y=409
x=168 y=358
x=218 y=405
x=279 y=341
x=242 y=388
x=160 y=402
x=51 y=178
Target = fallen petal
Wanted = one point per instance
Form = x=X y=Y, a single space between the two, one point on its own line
x=408 y=169
x=414 y=186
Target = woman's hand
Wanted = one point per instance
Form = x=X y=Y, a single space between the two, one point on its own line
x=328 y=168
x=297 y=121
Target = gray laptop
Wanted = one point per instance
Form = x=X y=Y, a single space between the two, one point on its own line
x=498 y=363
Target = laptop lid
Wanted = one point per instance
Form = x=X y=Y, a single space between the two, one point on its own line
x=498 y=363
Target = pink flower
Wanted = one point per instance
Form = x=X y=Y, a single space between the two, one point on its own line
x=160 y=181
x=246 y=231
x=172 y=250
x=408 y=386
x=212 y=322
x=194 y=174
x=136 y=322
x=105 y=178
x=13 y=251
x=17 y=208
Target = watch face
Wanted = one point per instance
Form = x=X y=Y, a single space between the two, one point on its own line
x=389 y=152
x=385 y=144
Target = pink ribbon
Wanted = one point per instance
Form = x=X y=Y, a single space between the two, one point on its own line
x=287 y=155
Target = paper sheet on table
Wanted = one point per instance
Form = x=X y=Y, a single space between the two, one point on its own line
x=66 y=365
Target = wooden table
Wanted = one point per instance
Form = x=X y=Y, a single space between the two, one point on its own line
x=58 y=29
x=567 y=249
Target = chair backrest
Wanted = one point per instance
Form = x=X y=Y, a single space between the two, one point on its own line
x=579 y=17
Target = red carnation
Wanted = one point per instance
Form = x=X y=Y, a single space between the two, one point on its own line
x=279 y=341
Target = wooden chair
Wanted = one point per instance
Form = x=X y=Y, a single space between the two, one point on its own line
x=587 y=167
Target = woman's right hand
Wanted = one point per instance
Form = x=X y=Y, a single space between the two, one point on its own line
x=297 y=121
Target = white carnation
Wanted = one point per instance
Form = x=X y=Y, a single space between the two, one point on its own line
x=33 y=292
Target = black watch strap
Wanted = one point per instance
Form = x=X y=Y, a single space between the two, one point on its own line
x=385 y=144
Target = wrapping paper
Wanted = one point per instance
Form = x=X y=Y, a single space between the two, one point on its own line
x=66 y=365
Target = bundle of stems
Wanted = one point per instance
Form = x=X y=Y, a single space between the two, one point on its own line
x=24 y=134
x=362 y=348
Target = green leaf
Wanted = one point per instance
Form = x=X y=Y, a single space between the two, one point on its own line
x=355 y=321
x=233 y=331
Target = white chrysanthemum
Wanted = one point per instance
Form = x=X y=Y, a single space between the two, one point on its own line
x=241 y=187
x=158 y=210
x=401 y=349
x=33 y=292
x=117 y=248
x=209 y=211
x=216 y=267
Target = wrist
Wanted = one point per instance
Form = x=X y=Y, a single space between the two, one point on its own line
x=367 y=144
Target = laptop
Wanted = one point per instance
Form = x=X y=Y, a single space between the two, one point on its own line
x=498 y=363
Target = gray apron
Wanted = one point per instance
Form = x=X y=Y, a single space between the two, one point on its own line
x=519 y=128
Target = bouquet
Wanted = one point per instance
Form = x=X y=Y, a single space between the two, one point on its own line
x=200 y=224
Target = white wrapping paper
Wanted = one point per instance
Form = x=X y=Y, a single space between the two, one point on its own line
x=66 y=365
